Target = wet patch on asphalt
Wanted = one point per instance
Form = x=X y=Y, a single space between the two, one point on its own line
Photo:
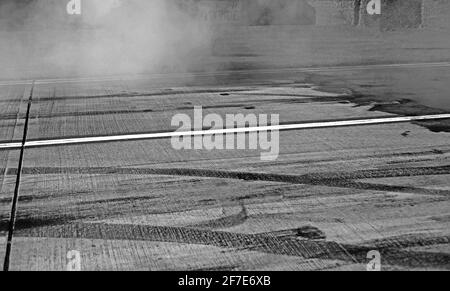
x=400 y=103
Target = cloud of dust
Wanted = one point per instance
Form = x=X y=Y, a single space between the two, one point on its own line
x=109 y=37
x=38 y=38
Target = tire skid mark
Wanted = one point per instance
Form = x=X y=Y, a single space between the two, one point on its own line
x=153 y=110
x=24 y=198
x=307 y=249
x=66 y=226
x=409 y=241
x=432 y=153
x=223 y=222
x=120 y=112
x=333 y=179
x=389 y=188
x=294 y=179
x=269 y=244
x=134 y=95
x=342 y=180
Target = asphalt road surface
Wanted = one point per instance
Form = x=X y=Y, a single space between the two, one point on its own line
x=333 y=195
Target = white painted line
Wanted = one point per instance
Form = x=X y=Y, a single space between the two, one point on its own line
x=220 y=73
x=9 y=146
x=161 y=135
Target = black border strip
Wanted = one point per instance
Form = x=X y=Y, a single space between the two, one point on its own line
x=12 y=220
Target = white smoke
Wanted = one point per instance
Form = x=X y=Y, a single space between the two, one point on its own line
x=109 y=37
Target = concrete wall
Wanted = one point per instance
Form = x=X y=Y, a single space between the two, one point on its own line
x=16 y=14
x=333 y=12
x=273 y=12
x=251 y=12
x=226 y=11
x=408 y=14
x=396 y=14
x=278 y=12
x=436 y=14
x=402 y=14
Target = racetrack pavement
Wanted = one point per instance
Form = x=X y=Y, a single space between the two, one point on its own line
x=333 y=195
